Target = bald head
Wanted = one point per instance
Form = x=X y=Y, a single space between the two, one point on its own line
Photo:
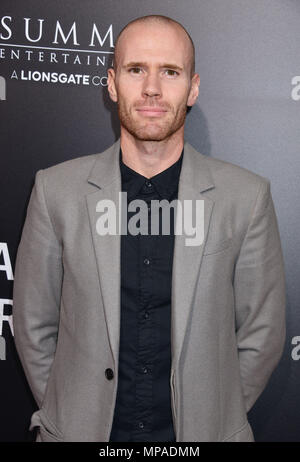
x=161 y=21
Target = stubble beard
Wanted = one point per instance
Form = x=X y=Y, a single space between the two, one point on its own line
x=154 y=129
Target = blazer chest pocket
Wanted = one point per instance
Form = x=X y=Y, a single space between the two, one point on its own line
x=212 y=247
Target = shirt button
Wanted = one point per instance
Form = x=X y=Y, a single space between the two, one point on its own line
x=149 y=184
x=146 y=315
x=145 y=370
x=146 y=261
x=141 y=425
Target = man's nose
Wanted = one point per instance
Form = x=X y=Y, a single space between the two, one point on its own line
x=152 y=85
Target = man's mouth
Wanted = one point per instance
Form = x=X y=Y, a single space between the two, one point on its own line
x=151 y=111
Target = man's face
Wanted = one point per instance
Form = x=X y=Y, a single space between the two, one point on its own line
x=152 y=84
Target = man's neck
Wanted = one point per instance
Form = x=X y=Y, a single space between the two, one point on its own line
x=150 y=157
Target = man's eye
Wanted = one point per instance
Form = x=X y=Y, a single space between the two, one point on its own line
x=135 y=70
x=172 y=72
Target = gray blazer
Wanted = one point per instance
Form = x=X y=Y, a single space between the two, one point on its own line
x=228 y=301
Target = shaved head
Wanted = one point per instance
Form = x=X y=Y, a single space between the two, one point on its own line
x=153 y=78
x=163 y=21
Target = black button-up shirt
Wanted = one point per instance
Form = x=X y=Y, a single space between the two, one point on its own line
x=143 y=403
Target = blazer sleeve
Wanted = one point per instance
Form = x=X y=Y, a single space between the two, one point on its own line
x=259 y=289
x=36 y=292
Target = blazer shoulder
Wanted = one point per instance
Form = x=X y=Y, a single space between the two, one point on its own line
x=227 y=171
x=70 y=176
x=224 y=171
x=79 y=166
x=232 y=183
x=241 y=187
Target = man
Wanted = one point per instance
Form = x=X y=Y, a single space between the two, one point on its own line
x=136 y=336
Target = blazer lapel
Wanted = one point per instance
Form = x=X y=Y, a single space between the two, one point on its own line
x=106 y=176
x=195 y=178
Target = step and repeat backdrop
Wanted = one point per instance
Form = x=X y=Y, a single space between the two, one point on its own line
x=54 y=106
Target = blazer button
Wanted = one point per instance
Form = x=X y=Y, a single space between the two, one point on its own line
x=109 y=374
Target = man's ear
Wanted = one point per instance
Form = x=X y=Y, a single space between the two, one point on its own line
x=111 y=75
x=194 y=91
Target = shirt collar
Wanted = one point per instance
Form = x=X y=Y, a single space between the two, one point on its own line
x=165 y=182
